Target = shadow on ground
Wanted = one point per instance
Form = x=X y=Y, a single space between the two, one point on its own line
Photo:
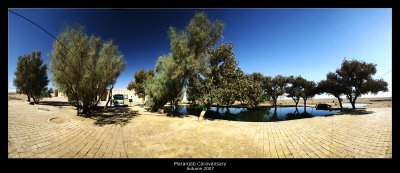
x=114 y=115
x=358 y=111
x=53 y=103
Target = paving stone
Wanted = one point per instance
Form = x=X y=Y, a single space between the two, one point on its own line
x=32 y=135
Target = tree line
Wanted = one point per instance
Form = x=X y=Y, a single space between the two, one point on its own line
x=209 y=74
x=84 y=67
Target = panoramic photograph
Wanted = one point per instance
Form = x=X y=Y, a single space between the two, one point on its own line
x=200 y=83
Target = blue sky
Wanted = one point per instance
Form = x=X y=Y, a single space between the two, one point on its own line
x=306 y=42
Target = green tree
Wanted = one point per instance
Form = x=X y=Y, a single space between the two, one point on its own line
x=84 y=67
x=274 y=87
x=31 y=76
x=308 y=90
x=138 y=84
x=227 y=74
x=165 y=86
x=195 y=89
x=332 y=86
x=188 y=58
x=189 y=49
x=254 y=90
x=294 y=88
x=243 y=88
x=356 y=77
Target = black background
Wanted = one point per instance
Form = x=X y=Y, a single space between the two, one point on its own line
x=166 y=165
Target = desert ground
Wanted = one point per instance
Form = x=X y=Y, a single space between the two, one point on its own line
x=52 y=130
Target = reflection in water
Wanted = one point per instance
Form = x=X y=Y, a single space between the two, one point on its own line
x=254 y=115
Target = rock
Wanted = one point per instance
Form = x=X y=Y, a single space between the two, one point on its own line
x=160 y=111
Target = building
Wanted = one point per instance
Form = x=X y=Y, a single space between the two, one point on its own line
x=129 y=96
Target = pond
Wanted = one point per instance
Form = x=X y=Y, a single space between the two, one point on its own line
x=255 y=115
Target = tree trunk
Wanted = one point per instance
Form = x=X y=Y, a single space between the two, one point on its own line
x=340 y=103
x=255 y=105
x=305 y=103
x=34 y=100
x=353 y=103
x=85 y=108
x=78 y=107
x=202 y=113
x=29 y=99
x=275 y=100
x=176 y=106
x=109 y=98
x=98 y=100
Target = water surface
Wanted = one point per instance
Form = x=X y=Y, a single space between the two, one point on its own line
x=255 y=115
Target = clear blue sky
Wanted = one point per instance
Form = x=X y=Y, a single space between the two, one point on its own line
x=307 y=42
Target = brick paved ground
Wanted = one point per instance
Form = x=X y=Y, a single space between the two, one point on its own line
x=32 y=133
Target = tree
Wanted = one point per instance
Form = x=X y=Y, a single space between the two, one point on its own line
x=31 y=76
x=332 y=86
x=194 y=90
x=294 y=88
x=356 y=77
x=274 y=87
x=190 y=49
x=84 y=67
x=224 y=75
x=308 y=90
x=188 y=58
x=138 y=84
x=243 y=89
x=253 y=90
x=165 y=86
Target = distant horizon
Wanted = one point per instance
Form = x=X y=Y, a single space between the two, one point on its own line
x=288 y=98
x=306 y=42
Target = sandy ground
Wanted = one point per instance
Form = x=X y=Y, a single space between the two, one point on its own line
x=54 y=131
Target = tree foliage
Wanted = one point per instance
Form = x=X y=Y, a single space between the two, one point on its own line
x=294 y=88
x=84 y=66
x=209 y=74
x=224 y=74
x=332 y=86
x=188 y=58
x=31 y=76
x=165 y=86
x=253 y=90
x=308 y=90
x=356 y=77
x=274 y=87
x=138 y=84
x=192 y=52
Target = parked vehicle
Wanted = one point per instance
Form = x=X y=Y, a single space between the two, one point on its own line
x=323 y=106
x=119 y=100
